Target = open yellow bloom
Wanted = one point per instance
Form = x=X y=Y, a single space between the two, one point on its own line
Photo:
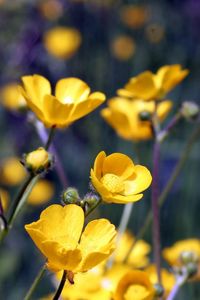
x=123 y=115
x=41 y=193
x=138 y=257
x=150 y=86
x=71 y=102
x=62 y=42
x=134 y=285
x=173 y=254
x=12 y=171
x=58 y=235
x=11 y=97
x=168 y=279
x=117 y=179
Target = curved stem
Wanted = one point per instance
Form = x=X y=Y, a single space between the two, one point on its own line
x=179 y=283
x=61 y=285
x=93 y=207
x=50 y=138
x=162 y=198
x=35 y=283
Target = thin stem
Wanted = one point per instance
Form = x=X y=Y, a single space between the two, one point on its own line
x=50 y=138
x=155 y=210
x=61 y=285
x=162 y=198
x=93 y=207
x=58 y=166
x=179 y=283
x=173 y=122
x=35 y=283
x=121 y=229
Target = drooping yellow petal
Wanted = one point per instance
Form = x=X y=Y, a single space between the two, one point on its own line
x=97 y=243
x=71 y=90
x=98 y=164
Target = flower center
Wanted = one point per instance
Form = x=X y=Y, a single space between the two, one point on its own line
x=136 y=292
x=68 y=100
x=113 y=183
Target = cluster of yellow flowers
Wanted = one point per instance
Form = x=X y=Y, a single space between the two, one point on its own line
x=83 y=255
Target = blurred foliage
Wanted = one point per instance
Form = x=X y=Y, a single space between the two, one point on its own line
x=155 y=33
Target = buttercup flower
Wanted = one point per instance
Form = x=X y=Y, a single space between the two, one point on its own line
x=12 y=99
x=71 y=102
x=125 y=116
x=168 y=279
x=173 y=254
x=149 y=86
x=58 y=235
x=117 y=179
x=62 y=42
x=134 y=285
x=41 y=193
x=138 y=257
x=12 y=172
x=134 y=16
x=123 y=47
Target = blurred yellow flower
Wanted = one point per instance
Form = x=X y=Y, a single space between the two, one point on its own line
x=62 y=42
x=11 y=97
x=168 y=279
x=117 y=179
x=4 y=198
x=123 y=47
x=58 y=235
x=173 y=254
x=134 y=285
x=138 y=257
x=41 y=193
x=50 y=9
x=134 y=16
x=149 y=86
x=155 y=33
x=125 y=116
x=38 y=160
x=12 y=171
x=71 y=102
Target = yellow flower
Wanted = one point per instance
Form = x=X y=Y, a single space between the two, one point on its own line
x=11 y=97
x=173 y=254
x=70 y=103
x=168 y=279
x=138 y=257
x=134 y=16
x=134 y=285
x=12 y=172
x=123 y=47
x=62 y=42
x=4 y=196
x=38 y=160
x=58 y=235
x=117 y=179
x=41 y=193
x=149 y=86
x=124 y=116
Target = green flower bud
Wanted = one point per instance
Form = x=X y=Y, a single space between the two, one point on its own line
x=190 y=110
x=70 y=196
x=145 y=115
x=188 y=257
x=192 y=269
x=91 y=198
x=159 y=290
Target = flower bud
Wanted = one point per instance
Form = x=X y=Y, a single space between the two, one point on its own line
x=3 y=223
x=190 y=110
x=145 y=115
x=188 y=257
x=159 y=290
x=37 y=161
x=91 y=198
x=70 y=196
x=192 y=269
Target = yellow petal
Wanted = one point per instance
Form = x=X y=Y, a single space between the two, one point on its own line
x=139 y=182
x=56 y=113
x=97 y=243
x=36 y=88
x=120 y=199
x=118 y=164
x=71 y=90
x=98 y=164
x=142 y=86
x=99 y=186
x=163 y=109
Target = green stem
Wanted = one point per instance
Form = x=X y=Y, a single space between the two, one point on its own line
x=61 y=286
x=93 y=207
x=35 y=283
x=162 y=198
x=50 y=138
